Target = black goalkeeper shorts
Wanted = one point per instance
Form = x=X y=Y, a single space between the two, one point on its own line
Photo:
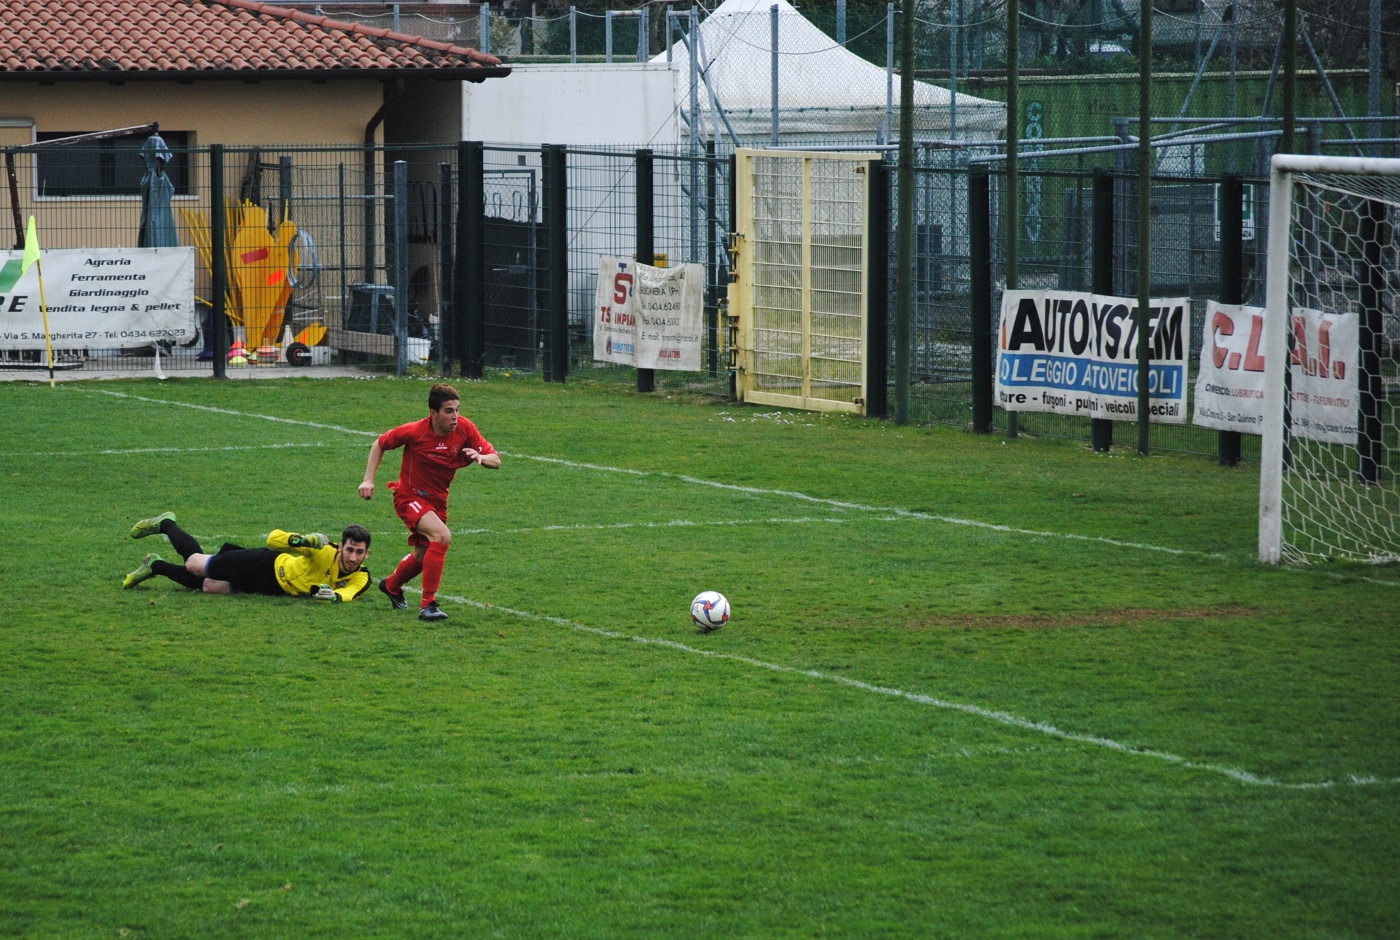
x=247 y=570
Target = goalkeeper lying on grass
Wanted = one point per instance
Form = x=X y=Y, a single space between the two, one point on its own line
x=300 y=565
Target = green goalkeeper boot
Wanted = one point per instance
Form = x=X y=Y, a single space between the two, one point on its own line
x=150 y=526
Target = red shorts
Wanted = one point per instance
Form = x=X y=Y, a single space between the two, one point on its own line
x=412 y=507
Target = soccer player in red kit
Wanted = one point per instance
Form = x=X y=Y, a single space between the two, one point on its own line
x=434 y=449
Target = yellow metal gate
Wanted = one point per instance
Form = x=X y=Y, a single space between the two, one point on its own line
x=801 y=262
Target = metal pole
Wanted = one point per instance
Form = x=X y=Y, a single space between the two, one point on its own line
x=692 y=48
x=904 y=231
x=471 y=256
x=1012 y=196
x=218 y=261
x=1373 y=89
x=889 y=74
x=954 y=41
x=1101 y=279
x=841 y=21
x=1144 y=246
x=1290 y=75
x=644 y=34
x=1013 y=143
x=401 y=264
x=485 y=28
x=979 y=234
x=733 y=207
x=877 y=324
x=607 y=33
x=1231 y=288
x=573 y=36
x=646 y=238
x=773 y=26
x=557 y=233
x=448 y=324
x=711 y=259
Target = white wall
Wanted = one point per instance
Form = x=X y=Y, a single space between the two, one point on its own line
x=623 y=104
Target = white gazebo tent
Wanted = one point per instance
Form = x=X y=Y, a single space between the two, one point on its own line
x=826 y=93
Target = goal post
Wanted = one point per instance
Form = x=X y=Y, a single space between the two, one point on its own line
x=1330 y=451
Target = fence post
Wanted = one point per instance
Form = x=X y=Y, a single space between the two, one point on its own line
x=401 y=265
x=471 y=256
x=1231 y=292
x=711 y=263
x=448 y=325
x=1144 y=238
x=979 y=250
x=556 y=212
x=729 y=242
x=877 y=291
x=218 y=263
x=646 y=239
x=1101 y=279
x=1375 y=237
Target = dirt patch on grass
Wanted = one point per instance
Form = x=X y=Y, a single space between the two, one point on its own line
x=1124 y=617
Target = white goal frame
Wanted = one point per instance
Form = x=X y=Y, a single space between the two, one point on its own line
x=1278 y=310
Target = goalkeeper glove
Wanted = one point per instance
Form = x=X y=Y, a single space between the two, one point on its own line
x=312 y=540
x=323 y=592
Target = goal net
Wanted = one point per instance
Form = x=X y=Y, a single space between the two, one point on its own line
x=1331 y=445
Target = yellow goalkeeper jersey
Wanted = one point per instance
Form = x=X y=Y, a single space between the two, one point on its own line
x=301 y=570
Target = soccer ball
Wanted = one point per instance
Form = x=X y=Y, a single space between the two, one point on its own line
x=709 y=610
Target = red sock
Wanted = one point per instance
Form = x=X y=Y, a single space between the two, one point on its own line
x=406 y=571
x=432 y=570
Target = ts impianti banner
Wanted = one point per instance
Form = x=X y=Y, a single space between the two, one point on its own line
x=649 y=317
x=1074 y=353
x=113 y=298
x=1230 y=381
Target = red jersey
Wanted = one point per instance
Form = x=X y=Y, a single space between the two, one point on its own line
x=429 y=461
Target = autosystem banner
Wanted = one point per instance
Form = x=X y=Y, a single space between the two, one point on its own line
x=649 y=317
x=1073 y=353
x=110 y=298
x=1230 y=382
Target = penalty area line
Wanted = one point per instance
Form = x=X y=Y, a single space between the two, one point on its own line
x=1001 y=717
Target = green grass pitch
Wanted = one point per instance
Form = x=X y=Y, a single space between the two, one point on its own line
x=972 y=687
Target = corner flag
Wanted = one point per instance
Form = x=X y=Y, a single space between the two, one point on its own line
x=31 y=256
x=31 y=246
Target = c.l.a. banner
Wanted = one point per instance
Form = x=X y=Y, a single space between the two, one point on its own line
x=1230 y=381
x=113 y=298
x=1074 y=353
x=649 y=317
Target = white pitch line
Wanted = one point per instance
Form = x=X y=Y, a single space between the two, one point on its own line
x=751 y=490
x=792 y=494
x=157 y=450
x=670 y=524
x=1005 y=718
x=230 y=411
x=892 y=510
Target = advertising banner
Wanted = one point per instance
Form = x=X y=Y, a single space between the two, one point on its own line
x=649 y=317
x=1230 y=381
x=1074 y=353
x=112 y=298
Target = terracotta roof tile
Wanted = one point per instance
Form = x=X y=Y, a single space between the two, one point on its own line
x=67 y=38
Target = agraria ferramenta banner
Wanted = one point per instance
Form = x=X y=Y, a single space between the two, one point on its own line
x=112 y=298
x=1230 y=382
x=649 y=317
x=1073 y=353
